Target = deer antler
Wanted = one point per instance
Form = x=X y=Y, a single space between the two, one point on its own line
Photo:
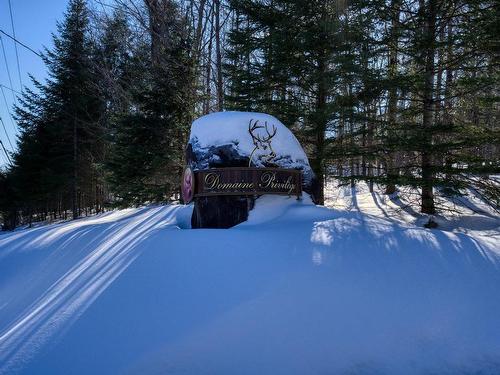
x=272 y=154
x=269 y=134
x=261 y=142
x=252 y=128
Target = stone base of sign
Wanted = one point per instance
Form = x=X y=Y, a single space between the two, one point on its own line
x=221 y=211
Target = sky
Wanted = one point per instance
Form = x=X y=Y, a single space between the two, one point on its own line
x=34 y=21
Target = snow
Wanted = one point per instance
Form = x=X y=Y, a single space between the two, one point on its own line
x=222 y=139
x=360 y=288
x=231 y=127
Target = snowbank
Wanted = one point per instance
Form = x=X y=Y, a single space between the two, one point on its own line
x=298 y=289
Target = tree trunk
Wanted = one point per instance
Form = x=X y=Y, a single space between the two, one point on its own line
x=318 y=165
x=221 y=212
x=427 y=196
x=155 y=29
x=218 y=62
x=208 y=88
x=198 y=34
x=392 y=171
x=75 y=170
x=449 y=75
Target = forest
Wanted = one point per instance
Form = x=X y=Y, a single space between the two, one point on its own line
x=402 y=94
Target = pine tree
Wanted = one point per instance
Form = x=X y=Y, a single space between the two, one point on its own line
x=8 y=202
x=283 y=56
x=428 y=129
x=147 y=157
x=61 y=137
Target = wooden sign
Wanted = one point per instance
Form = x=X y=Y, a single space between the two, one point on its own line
x=247 y=181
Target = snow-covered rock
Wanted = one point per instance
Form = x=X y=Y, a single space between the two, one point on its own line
x=241 y=139
x=223 y=139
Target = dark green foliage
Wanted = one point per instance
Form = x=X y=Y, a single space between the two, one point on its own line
x=8 y=212
x=149 y=136
x=60 y=143
x=386 y=91
x=109 y=125
x=284 y=58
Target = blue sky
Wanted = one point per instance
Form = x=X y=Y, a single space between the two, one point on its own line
x=34 y=21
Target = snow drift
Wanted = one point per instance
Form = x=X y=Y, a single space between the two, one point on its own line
x=298 y=289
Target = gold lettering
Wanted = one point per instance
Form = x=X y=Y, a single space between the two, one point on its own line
x=268 y=181
x=212 y=180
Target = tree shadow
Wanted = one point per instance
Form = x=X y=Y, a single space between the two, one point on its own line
x=105 y=253
x=379 y=206
x=403 y=206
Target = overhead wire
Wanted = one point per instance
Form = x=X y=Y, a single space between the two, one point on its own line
x=3 y=160
x=13 y=37
x=5 y=152
x=14 y=127
x=8 y=88
x=15 y=46
x=11 y=88
x=21 y=43
x=7 y=67
x=5 y=101
x=6 y=134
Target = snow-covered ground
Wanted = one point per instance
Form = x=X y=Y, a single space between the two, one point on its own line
x=360 y=288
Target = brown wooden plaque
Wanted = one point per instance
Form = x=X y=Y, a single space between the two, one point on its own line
x=247 y=181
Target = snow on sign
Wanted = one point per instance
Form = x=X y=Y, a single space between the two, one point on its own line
x=245 y=180
x=232 y=158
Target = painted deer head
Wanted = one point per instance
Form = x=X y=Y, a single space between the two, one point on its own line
x=260 y=141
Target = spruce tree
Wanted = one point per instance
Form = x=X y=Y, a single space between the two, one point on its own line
x=285 y=65
x=147 y=156
x=61 y=135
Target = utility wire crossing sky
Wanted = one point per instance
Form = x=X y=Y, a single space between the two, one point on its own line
x=25 y=29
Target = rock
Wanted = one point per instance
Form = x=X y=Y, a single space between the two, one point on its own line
x=241 y=139
x=220 y=211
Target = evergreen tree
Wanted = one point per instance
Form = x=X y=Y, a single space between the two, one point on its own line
x=61 y=137
x=147 y=157
x=8 y=200
x=284 y=64
x=403 y=109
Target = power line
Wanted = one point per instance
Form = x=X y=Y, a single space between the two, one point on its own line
x=8 y=110
x=2 y=159
x=6 y=134
x=15 y=46
x=7 y=67
x=21 y=43
x=5 y=152
x=8 y=88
